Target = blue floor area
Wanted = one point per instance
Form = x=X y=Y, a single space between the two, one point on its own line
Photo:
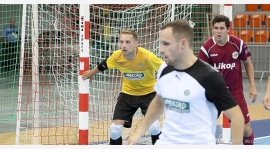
x=261 y=129
x=262 y=141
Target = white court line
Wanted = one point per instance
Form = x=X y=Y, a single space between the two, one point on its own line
x=261 y=137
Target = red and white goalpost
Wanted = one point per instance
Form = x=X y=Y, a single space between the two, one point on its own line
x=62 y=41
x=226 y=9
x=84 y=66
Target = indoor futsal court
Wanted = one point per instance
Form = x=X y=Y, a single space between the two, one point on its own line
x=40 y=83
x=260 y=120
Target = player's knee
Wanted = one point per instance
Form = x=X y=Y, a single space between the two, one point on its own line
x=154 y=129
x=115 y=131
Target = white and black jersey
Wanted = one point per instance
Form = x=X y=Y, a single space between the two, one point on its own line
x=192 y=98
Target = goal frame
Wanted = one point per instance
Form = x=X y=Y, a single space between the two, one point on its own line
x=84 y=65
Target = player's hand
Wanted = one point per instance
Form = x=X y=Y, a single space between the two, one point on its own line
x=15 y=35
x=253 y=93
x=87 y=75
x=133 y=139
x=266 y=101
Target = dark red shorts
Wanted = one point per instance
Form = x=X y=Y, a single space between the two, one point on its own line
x=243 y=105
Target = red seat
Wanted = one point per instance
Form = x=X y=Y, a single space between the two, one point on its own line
x=261 y=36
x=240 y=20
x=235 y=33
x=256 y=20
x=252 y=7
x=267 y=21
x=265 y=7
x=246 y=35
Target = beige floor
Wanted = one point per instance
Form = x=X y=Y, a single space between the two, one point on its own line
x=257 y=112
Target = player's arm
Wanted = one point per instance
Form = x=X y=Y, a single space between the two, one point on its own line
x=266 y=99
x=154 y=110
x=4 y=39
x=17 y=33
x=237 y=124
x=154 y=61
x=217 y=92
x=245 y=57
x=4 y=33
x=90 y=73
x=108 y=63
x=250 y=74
x=203 y=55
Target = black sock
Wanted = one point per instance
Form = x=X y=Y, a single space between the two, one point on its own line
x=116 y=142
x=155 y=138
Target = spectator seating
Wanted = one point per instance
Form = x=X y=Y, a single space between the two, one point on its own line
x=265 y=7
x=261 y=36
x=253 y=25
x=256 y=20
x=252 y=7
x=246 y=35
x=267 y=21
x=235 y=33
x=241 y=20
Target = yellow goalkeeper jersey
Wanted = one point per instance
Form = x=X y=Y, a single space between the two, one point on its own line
x=139 y=73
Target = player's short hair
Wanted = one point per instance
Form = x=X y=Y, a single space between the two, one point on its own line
x=131 y=32
x=181 y=29
x=221 y=18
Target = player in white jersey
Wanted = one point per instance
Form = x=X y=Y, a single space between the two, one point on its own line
x=190 y=92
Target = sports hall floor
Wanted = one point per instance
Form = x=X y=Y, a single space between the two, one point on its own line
x=260 y=119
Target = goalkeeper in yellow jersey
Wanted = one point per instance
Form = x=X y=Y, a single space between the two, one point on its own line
x=137 y=66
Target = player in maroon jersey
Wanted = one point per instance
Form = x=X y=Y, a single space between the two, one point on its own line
x=225 y=52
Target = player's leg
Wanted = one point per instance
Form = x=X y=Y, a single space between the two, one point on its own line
x=122 y=117
x=248 y=133
x=116 y=129
x=154 y=129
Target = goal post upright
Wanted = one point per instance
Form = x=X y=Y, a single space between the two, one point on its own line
x=172 y=16
x=83 y=66
x=226 y=9
x=21 y=73
x=35 y=75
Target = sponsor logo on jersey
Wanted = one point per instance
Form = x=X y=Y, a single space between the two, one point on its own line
x=213 y=55
x=186 y=92
x=224 y=66
x=134 y=76
x=177 y=106
x=235 y=55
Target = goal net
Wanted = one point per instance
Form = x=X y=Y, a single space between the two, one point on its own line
x=47 y=111
x=9 y=61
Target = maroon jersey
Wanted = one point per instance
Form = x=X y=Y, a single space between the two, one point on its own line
x=227 y=59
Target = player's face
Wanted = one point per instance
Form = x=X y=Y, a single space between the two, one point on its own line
x=12 y=22
x=220 y=32
x=169 y=47
x=128 y=44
